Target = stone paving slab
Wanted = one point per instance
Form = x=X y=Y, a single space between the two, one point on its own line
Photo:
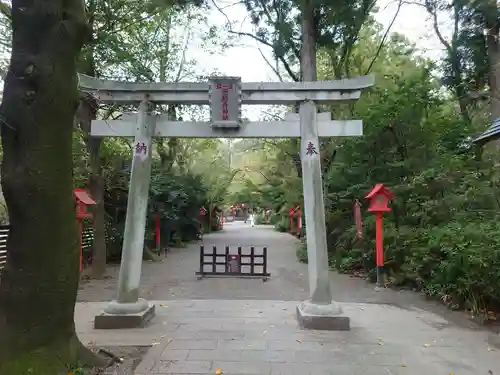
x=262 y=338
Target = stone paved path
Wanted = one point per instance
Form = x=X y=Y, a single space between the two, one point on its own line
x=261 y=338
x=249 y=327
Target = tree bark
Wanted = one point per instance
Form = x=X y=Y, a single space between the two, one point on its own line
x=40 y=280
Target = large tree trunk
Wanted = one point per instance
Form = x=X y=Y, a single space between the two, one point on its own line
x=40 y=281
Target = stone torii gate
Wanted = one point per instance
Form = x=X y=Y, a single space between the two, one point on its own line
x=225 y=95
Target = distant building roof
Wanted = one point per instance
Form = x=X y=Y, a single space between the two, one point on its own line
x=491 y=134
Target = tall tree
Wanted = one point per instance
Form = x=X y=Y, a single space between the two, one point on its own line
x=36 y=119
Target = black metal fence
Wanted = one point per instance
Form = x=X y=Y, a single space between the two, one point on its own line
x=87 y=244
x=247 y=262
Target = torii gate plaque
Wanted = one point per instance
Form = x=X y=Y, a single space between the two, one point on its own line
x=225 y=96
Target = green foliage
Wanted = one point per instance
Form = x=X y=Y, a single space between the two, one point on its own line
x=283 y=224
x=177 y=200
x=301 y=253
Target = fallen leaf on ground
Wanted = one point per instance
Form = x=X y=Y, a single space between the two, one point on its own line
x=218 y=371
x=427 y=345
x=380 y=343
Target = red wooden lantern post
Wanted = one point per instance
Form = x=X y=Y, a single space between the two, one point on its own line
x=379 y=204
x=83 y=200
x=295 y=212
x=203 y=213
x=298 y=214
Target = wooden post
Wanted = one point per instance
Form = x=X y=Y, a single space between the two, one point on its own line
x=380 y=249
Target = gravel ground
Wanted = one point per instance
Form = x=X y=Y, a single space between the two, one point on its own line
x=174 y=278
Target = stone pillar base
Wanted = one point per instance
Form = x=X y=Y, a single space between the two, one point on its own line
x=322 y=317
x=125 y=315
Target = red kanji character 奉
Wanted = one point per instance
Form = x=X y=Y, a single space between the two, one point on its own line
x=311 y=149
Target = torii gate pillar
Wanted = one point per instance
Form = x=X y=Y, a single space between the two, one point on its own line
x=128 y=310
x=319 y=312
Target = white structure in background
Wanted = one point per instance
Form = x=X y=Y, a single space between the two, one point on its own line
x=225 y=96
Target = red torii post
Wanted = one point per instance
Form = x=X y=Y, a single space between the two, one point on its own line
x=83 y=200
x=379 y=200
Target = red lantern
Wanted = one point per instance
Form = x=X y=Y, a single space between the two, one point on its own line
x=379 y=198
x=83 y=200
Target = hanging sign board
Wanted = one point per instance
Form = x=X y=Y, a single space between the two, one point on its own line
x=225 y=102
